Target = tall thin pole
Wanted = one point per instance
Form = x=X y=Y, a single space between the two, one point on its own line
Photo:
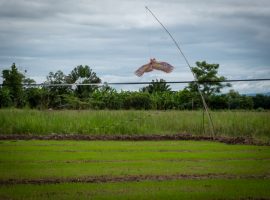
x=194 y=75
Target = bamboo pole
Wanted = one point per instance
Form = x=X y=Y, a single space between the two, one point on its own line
x=194 y=75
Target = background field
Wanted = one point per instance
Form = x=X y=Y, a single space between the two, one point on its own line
x=227 y=123
x=164 y=169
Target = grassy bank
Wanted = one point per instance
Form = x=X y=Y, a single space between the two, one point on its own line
x=227 y=123
x=241 y=171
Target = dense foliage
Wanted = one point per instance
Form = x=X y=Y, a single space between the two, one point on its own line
x=16 y=91
x=207 y=72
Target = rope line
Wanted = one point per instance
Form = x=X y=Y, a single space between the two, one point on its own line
x=143 y=83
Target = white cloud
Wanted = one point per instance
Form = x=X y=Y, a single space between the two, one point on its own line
x=46 y=35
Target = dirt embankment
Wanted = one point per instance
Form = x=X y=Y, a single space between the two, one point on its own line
x=227 y=140
x=128 y=178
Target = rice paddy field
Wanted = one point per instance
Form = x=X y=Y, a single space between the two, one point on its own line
x=133 y=170
x=173 y=169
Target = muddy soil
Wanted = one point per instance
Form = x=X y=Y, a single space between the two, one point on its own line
x=227 y=140
x=129 y=178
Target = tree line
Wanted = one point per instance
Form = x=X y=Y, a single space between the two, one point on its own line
x=17 y=91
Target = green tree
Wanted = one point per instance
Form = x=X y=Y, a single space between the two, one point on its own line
x=208 y=79
x=218 y=101
x=137 y=100
x=261 y=101
x=157 y=86
x=28 y=81
x=106 y=97
x=238 y=101
x=13 y=80
x=56 y=92
x=5 y=97
x=187 y=100
x=83 y=75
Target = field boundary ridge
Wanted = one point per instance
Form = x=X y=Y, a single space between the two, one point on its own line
x=152 y=137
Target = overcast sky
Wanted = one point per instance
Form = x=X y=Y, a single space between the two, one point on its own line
x=115 y=37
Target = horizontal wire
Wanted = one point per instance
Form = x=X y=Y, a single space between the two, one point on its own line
x=140 y=83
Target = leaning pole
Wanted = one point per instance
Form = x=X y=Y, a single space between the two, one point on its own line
x=195 y=77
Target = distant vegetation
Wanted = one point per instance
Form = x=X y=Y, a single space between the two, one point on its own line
x=16 y=91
